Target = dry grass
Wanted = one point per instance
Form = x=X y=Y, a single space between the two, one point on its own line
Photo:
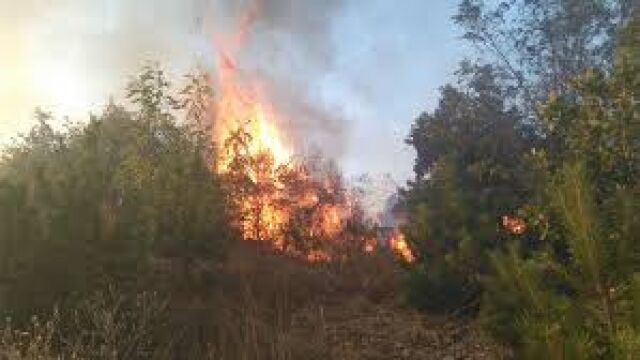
x=265 y=306
x=262 y=295
x=278 y=308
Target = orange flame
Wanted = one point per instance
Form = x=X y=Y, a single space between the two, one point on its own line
x=243 y=105
x=318 y=256
x=399 y=245
x=271 y=192
x=370 y=245
x=514 y=225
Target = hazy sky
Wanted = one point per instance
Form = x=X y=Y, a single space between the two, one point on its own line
x=352 y=74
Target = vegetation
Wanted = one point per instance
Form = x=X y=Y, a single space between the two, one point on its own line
x=119 y=240
x=469 y=173
x=99 y=203
x=562 y=282
x=120 y=237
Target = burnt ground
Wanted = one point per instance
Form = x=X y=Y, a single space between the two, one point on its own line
x=278 y=308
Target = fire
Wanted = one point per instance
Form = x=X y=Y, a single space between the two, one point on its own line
x=318 y=256
x=238 y=110
x=514 y=225
x=399 y=245
x=370 y=245
x=253 y=151
x=242 y=105
x=277 y=197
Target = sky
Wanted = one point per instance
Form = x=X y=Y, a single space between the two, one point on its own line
x=351 y=75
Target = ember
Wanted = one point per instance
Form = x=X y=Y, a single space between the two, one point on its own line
x=399 y=245
x=370 y=245
x=514 y=225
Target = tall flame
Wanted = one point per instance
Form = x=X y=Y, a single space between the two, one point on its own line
x=243 y=105
x=272 y=194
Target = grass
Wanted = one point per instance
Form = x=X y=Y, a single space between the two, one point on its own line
x=263 y=306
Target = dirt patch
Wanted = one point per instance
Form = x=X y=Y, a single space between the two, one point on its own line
x=359 y=329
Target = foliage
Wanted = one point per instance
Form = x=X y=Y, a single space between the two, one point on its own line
x=565 y=284
x=302 y=206
x=582 y=303
x=102 y=325
x=538 y=45
x=576 y=296
x=101 y=202
x=469 y=173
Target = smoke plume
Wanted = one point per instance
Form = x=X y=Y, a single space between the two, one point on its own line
x=288 y=45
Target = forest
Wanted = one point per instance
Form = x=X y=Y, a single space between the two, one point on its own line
x=176 y=224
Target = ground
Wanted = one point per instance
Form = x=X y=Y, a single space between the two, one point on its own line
x=286 y=309
x=359 y=329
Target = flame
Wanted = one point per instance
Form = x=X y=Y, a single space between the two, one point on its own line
x=514 y=225
x=238 y=110
x=398 y=244
x=245 y=126
x=276 y=198
x=243 y=105
x=318 y=256
x=370 y=245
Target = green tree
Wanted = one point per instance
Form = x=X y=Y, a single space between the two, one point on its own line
x=538 y=45
x=105 y=201
x=576 y=296
x=470 y=171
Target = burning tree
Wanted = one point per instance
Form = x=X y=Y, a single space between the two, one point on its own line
x=301 y=206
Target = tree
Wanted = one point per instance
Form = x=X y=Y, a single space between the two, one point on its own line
x=576 y=295
x=469 y=172
x=101 y=202
x=300 y=207
x=538 y=45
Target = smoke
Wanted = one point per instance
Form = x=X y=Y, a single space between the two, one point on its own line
x=288 y=45
x=68 y=56
x=321 y=61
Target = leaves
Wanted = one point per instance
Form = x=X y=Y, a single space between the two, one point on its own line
x=101 y=200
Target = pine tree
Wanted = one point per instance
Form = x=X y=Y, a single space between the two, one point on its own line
x=576 y=294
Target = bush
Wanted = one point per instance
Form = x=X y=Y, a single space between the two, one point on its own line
x=577 y=294
x=105 y=325
x=104 y=202
x=441 y=290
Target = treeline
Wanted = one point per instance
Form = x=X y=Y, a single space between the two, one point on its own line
x=102 y=200
x=125 y=206
x=525 y=208
x=120 y=238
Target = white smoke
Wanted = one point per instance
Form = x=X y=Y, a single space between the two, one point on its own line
x=289 y=47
